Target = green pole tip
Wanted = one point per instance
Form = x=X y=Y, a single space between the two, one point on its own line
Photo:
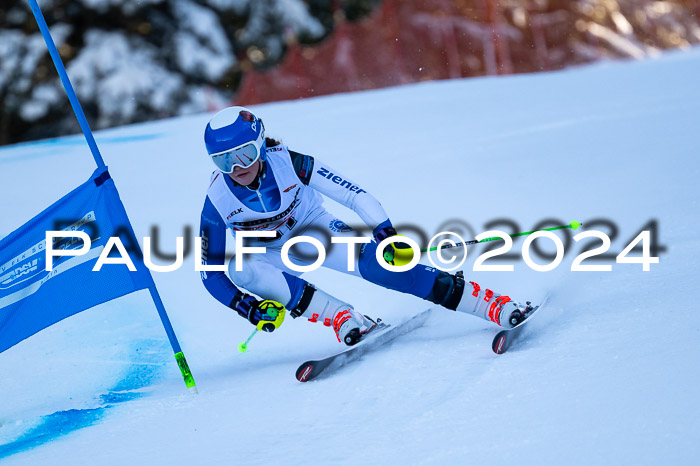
x=242 y=347
x=574 y=225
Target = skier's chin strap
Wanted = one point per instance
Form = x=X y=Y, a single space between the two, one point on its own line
x=255 y=184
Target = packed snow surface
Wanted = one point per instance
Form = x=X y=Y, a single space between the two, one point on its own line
x=608 y=371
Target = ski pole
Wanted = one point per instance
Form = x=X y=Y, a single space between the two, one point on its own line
x=573 y=225
x=243 y=347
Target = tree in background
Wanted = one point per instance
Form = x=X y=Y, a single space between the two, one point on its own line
x=141 y=60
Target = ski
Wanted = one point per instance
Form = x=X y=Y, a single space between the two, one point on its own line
x=505 y=338
x=380 y=335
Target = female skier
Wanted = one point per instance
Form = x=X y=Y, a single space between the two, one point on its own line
x=260 y=184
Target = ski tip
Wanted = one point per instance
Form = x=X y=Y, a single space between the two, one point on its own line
x=304 y=372
x=499 y=343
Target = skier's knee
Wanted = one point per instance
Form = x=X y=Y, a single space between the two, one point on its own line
x=370 y=269
x=417 y=281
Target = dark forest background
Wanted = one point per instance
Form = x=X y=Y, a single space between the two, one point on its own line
x=140 y=60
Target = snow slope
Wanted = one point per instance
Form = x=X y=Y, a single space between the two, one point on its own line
x=607 y=375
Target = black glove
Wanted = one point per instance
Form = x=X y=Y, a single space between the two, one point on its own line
x=265 y=315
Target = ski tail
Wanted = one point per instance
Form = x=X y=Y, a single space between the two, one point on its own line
x=505 y=338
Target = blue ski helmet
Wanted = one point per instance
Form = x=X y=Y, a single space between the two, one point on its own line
x=235 y=136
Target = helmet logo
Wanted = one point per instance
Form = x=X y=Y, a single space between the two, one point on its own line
x=249 y=117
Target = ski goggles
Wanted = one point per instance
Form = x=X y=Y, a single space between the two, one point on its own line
x=242 y=156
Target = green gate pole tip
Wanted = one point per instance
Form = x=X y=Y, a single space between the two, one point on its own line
x=574 y=225
x=243 y=347
x=186 y=374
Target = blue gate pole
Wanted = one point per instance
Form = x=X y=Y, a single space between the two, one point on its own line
x=179 y=356
x=78 y=110
x=58 y=63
